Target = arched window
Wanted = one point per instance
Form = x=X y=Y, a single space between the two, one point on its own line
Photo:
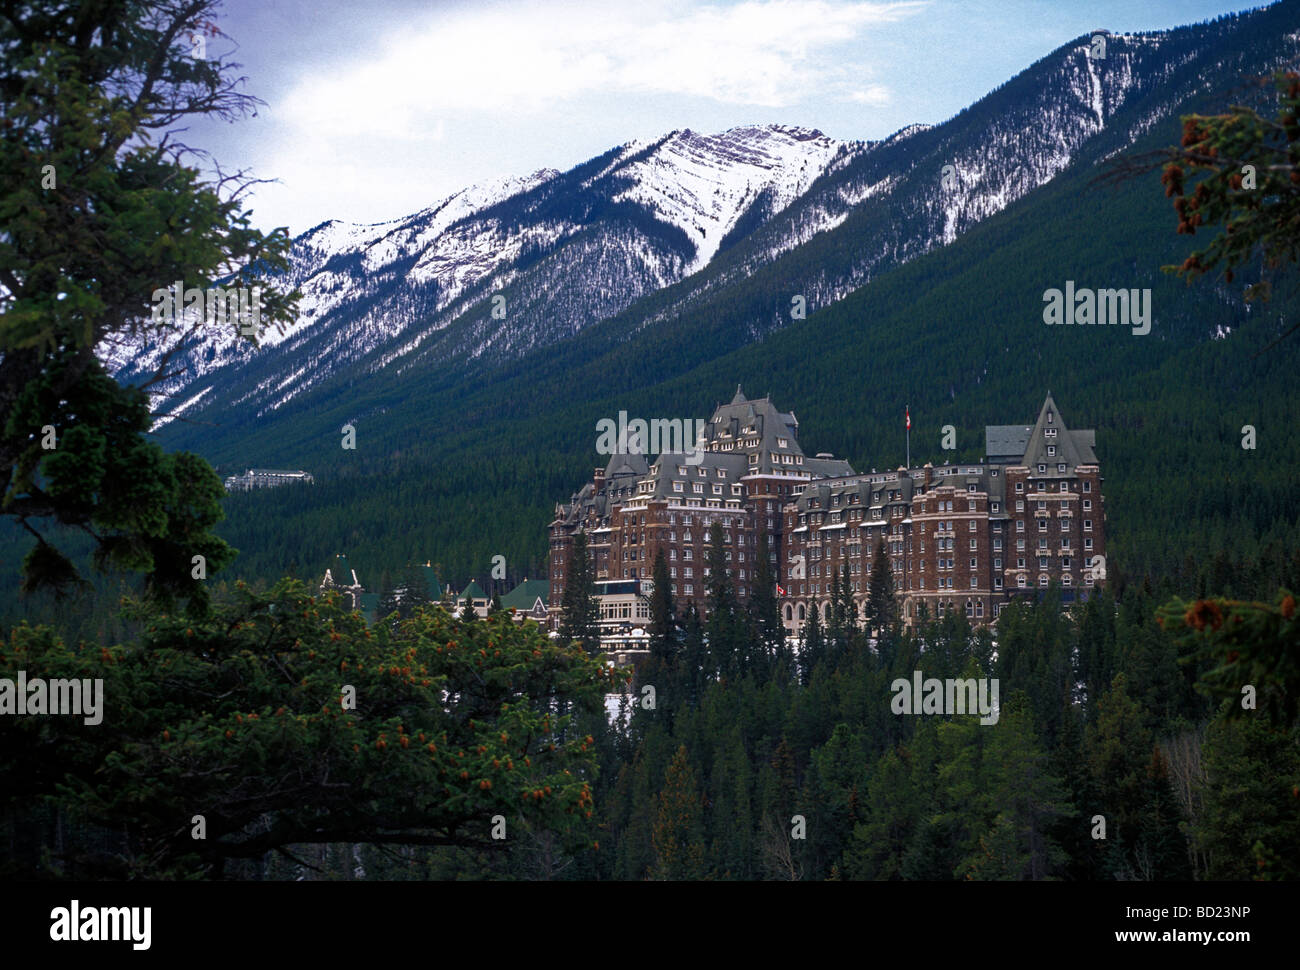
x=802 y=613
x=788 y=612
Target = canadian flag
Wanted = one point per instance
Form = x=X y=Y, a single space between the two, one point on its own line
x=908 y=412
x=780 y=590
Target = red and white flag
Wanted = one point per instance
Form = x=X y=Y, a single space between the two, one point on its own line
x=908 y=411
x=780 y=590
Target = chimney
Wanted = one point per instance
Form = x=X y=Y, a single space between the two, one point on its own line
x=928 y=476
x=598 y=479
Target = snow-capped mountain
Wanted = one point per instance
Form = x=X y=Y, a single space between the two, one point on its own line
x=634 y=220
x=649 y=233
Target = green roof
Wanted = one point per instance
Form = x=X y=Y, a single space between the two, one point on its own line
x=370 y=605
x=526 y=594
x=431 y=580
x=472 y=591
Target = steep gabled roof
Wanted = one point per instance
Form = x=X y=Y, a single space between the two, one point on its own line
x=525 y=596
x=1072 y=450
x=473 y=591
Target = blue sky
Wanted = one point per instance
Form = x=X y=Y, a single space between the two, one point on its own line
x=376 y=110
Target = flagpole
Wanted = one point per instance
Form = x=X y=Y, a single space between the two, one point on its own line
x=909 y=437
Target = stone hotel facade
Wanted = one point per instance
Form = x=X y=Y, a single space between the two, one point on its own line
x=959 y=537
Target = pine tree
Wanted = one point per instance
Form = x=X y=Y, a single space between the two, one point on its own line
x=579 y=613
x=389 y=601
x=814 y=643
x=882 y=602
x=694 y=657
x=768 y=635
x=663 y=614
x=726 y=642
x=415 y=591
x=679 y=824
x=467 y=614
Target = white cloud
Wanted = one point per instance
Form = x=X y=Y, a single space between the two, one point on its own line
x=386 y=130
x=770 y=54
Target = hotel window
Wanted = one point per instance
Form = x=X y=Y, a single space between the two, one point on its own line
x=1020 y=581
x=688 y=572
x=688 y=555
x=1042 y=562
x=974 y=544
x=997 y=506
x=1065 y=562
x=689 y=589
x=1087 y=486
x=997 y=563
x=677 y=486
x=1020 y=525
x=717 y=489
x=1042 y=469
x=1020 y=562
x=1020 y=545
x=672 y=572
x=1020 y=487
x=1042 y=486
x=1087 y=543
x=1051 y=451
x=674 y=586
x=997 y=582
x=1020 y=505
x=973 y=564
x=1087 y=505
x=1087 y=525
x=972 y=526
x=699 y=488
x=1042 y=525
x=1043 y=579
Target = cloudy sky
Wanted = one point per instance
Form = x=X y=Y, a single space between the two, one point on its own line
x=378 y=109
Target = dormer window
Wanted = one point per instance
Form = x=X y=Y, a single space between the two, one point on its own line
x=1042 y=469
x=782 y=443
x=1049 y=417
x=1051 y=451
